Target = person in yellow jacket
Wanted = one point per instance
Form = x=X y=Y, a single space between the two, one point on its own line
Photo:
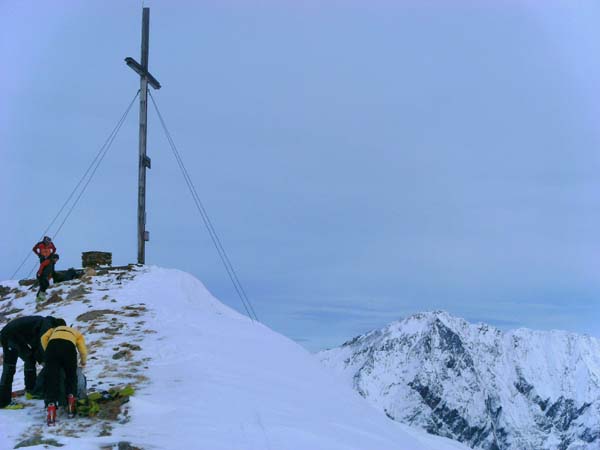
x=59 y=344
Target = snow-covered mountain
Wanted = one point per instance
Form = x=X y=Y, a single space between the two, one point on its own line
x=206 y=377
x=493 y=390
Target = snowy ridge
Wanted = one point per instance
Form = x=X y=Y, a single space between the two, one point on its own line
x=206 y=377
x=522 y=389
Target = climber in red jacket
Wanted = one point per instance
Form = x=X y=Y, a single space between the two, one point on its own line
x=44 y=249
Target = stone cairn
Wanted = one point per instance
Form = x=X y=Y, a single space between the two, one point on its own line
x=95 y=259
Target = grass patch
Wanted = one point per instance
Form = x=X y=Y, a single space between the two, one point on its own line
x=54 y=298
x=96 y=314
x=38 y=440
x=77 y=293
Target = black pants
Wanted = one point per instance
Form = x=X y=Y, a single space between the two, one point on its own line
x=11 y=353
x=60 y=354
x=44 y=283
x=43 y=279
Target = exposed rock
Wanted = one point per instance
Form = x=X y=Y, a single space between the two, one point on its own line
x=38 y=440
x=93 y=315
x=4 y=291
x=122 y=354
x=54 y=298
x=12 y=311
x=121 y=446
x=95 y=259
x=133 y=347
x=77 y=292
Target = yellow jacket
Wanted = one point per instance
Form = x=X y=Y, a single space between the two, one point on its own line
x=68 y=334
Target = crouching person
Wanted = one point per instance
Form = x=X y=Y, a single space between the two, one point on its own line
x=60 y=344
x=20 y=338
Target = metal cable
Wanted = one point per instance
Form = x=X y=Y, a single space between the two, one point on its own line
x=207 y=222
x=111 y=140
x=95 y=162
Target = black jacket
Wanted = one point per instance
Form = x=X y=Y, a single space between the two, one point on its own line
x=24 y=333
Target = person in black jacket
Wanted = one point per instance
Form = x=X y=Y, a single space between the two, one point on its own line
x=20 y=338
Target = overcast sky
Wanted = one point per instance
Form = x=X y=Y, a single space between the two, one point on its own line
x=360 y=160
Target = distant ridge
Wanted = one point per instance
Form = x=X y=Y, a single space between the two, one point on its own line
x=493 y=390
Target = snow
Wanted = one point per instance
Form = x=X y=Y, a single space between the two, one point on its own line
x=207 y=377
x=545 y=385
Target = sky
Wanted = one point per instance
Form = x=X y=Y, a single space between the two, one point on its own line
x=361 y=161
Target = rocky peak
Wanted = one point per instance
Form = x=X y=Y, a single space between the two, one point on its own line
x=491 y=389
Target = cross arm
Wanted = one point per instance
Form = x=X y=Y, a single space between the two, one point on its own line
x=141 y=72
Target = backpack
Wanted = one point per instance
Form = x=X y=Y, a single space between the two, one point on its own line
x=39 y=390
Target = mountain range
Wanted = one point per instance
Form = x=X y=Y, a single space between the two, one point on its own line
x=490 y=389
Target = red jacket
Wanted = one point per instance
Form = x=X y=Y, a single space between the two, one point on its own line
x=44 y=250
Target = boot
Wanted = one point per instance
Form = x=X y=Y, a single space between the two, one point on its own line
x=41 y=297
x=51 y=417
x=71 y=402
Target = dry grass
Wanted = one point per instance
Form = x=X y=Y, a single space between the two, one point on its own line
x=96 y=314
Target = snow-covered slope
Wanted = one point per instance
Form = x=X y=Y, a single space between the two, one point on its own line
x=522 y=389
x=206 y=377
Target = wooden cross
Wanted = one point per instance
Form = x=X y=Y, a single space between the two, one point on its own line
x=144 y=161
